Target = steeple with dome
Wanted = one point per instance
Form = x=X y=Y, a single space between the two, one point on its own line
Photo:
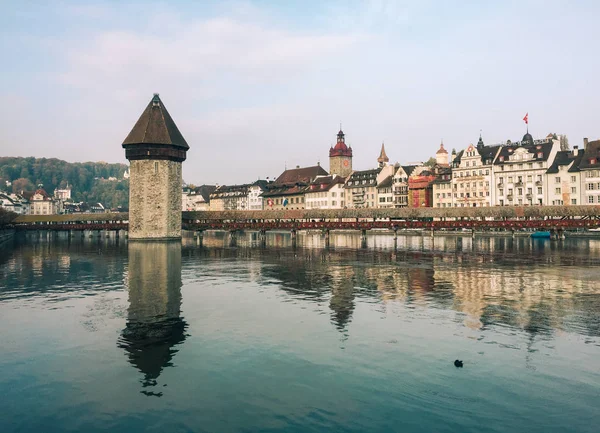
x=340 y=157
x=441 y=156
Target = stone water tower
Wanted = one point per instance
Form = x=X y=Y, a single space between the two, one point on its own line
x=155 y=149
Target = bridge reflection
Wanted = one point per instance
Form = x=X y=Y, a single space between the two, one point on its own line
x=154 y=327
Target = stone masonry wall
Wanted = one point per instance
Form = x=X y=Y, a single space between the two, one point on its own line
x=155 y=199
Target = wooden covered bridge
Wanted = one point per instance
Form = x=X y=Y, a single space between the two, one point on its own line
x=530 y=218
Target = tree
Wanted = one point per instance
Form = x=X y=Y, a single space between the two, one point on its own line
x=6 y=216
x=564 y=142
x=430 y=162
x=22 y=184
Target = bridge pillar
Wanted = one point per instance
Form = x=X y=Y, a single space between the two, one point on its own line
x=327 y=238
x=294 y=237
x=199 y=237
x=363 y=239
x=232 y=238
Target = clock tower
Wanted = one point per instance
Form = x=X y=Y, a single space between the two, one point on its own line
x=340 y=157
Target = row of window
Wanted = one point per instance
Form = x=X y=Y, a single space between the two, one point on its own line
x=519 y=166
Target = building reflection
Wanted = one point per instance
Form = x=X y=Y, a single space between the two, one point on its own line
x=154 y=327
x=536 y=287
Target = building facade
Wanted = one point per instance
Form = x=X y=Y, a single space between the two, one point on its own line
x=400 y=184
x=520 y=172
x=326 y=192
x=473 y=176
x=42 y=204
x=564 y=178
x=590 y=172
x=361 y=189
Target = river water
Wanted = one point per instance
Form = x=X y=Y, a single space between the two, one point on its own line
x=237 y=335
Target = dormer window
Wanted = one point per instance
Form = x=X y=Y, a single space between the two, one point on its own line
x=540 y=154
x=592 y=160
x=501 y=159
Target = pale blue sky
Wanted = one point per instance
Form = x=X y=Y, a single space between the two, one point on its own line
x=254 y=85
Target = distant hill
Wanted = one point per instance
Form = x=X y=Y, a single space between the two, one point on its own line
x=88 y=180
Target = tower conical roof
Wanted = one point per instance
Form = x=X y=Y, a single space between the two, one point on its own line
x=155 y=126
x=382 y=156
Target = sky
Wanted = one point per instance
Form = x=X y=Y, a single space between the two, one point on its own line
x=257 y=86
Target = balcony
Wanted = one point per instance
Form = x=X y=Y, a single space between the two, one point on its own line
x=528 y=196
x=519 y=184
x=500 y=184
x=509 y=197
x=538 y=183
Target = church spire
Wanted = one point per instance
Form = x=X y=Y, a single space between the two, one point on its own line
x=383 y=159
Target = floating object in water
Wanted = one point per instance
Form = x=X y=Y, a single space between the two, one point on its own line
x=458 y=363
x=540 y=235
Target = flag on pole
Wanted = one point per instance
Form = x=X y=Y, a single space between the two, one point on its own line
x=526 y=118
x=285 y=201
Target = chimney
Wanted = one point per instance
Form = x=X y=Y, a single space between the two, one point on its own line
x=297 y=166
x=575 y=150
x=585 y=143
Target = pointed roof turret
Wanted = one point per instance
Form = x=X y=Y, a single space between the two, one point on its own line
x=155 y=135
x=480 y=142
x=382 y=156
x=441 y=150
x=155 y=126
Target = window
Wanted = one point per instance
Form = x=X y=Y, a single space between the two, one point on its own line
x=557 y=180
x=530 y=165
x=520 y=191
x=557 y=190
x=573 y=190
x=591 y=199
x=540 y=154
x=539 y=190
x=487 y=172
x=573 y=201
x=501 y=191
x=590 y=186
x=539 y=177
x=529 y=178
x=573 y=179
x=510 y=179
x=529 y=191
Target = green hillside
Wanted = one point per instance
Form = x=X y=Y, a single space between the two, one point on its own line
x=88 y=180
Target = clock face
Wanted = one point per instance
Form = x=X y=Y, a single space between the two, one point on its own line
x=345 y=163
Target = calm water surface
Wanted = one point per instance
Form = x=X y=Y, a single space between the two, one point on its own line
x=237 y=336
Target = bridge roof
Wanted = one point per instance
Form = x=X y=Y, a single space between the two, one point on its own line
x=156 y=126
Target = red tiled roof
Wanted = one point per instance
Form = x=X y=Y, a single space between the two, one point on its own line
x=305 y=174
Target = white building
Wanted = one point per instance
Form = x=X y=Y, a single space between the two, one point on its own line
x=400 y=184
x=42 y=204
x=472 y=177
x=520 y=172
x=326 y=192
x=385 y=184
x=564 y=178
x=255 y=199
x=590 y=172
x=10 y=204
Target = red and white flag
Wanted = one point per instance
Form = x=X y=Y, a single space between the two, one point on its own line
x=526 y=118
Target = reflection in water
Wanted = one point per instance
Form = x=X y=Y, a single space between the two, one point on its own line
x=154 y=326
x=525 y=284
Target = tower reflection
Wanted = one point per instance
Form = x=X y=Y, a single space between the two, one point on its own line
x=154 y=326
